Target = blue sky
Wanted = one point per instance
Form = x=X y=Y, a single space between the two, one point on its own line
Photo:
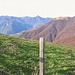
x=44 y=8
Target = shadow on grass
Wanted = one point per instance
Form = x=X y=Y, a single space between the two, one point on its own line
x=69 y=71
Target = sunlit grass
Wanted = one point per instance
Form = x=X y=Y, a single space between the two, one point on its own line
x=21 y=57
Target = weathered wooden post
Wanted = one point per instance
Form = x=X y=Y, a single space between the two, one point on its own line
x=41 y=63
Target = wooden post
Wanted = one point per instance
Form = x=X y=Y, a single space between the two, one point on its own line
x=41 y=63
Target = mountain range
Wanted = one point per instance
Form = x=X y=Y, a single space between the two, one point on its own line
x=12 y=25
x=60 y=30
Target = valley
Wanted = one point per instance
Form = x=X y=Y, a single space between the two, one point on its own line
x=19 y=52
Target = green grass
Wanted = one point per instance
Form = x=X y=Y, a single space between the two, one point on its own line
x=21 y=57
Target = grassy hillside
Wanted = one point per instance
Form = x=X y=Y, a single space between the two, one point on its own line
x=21 y=57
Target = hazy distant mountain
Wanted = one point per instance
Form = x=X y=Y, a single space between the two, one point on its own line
x=61 y=29
x=35 y=21
x=12 y=25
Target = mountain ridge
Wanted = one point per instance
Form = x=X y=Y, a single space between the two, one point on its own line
x=12 y=25
x=58 y=29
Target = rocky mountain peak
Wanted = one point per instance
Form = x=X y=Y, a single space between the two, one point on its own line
x=61 y=18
